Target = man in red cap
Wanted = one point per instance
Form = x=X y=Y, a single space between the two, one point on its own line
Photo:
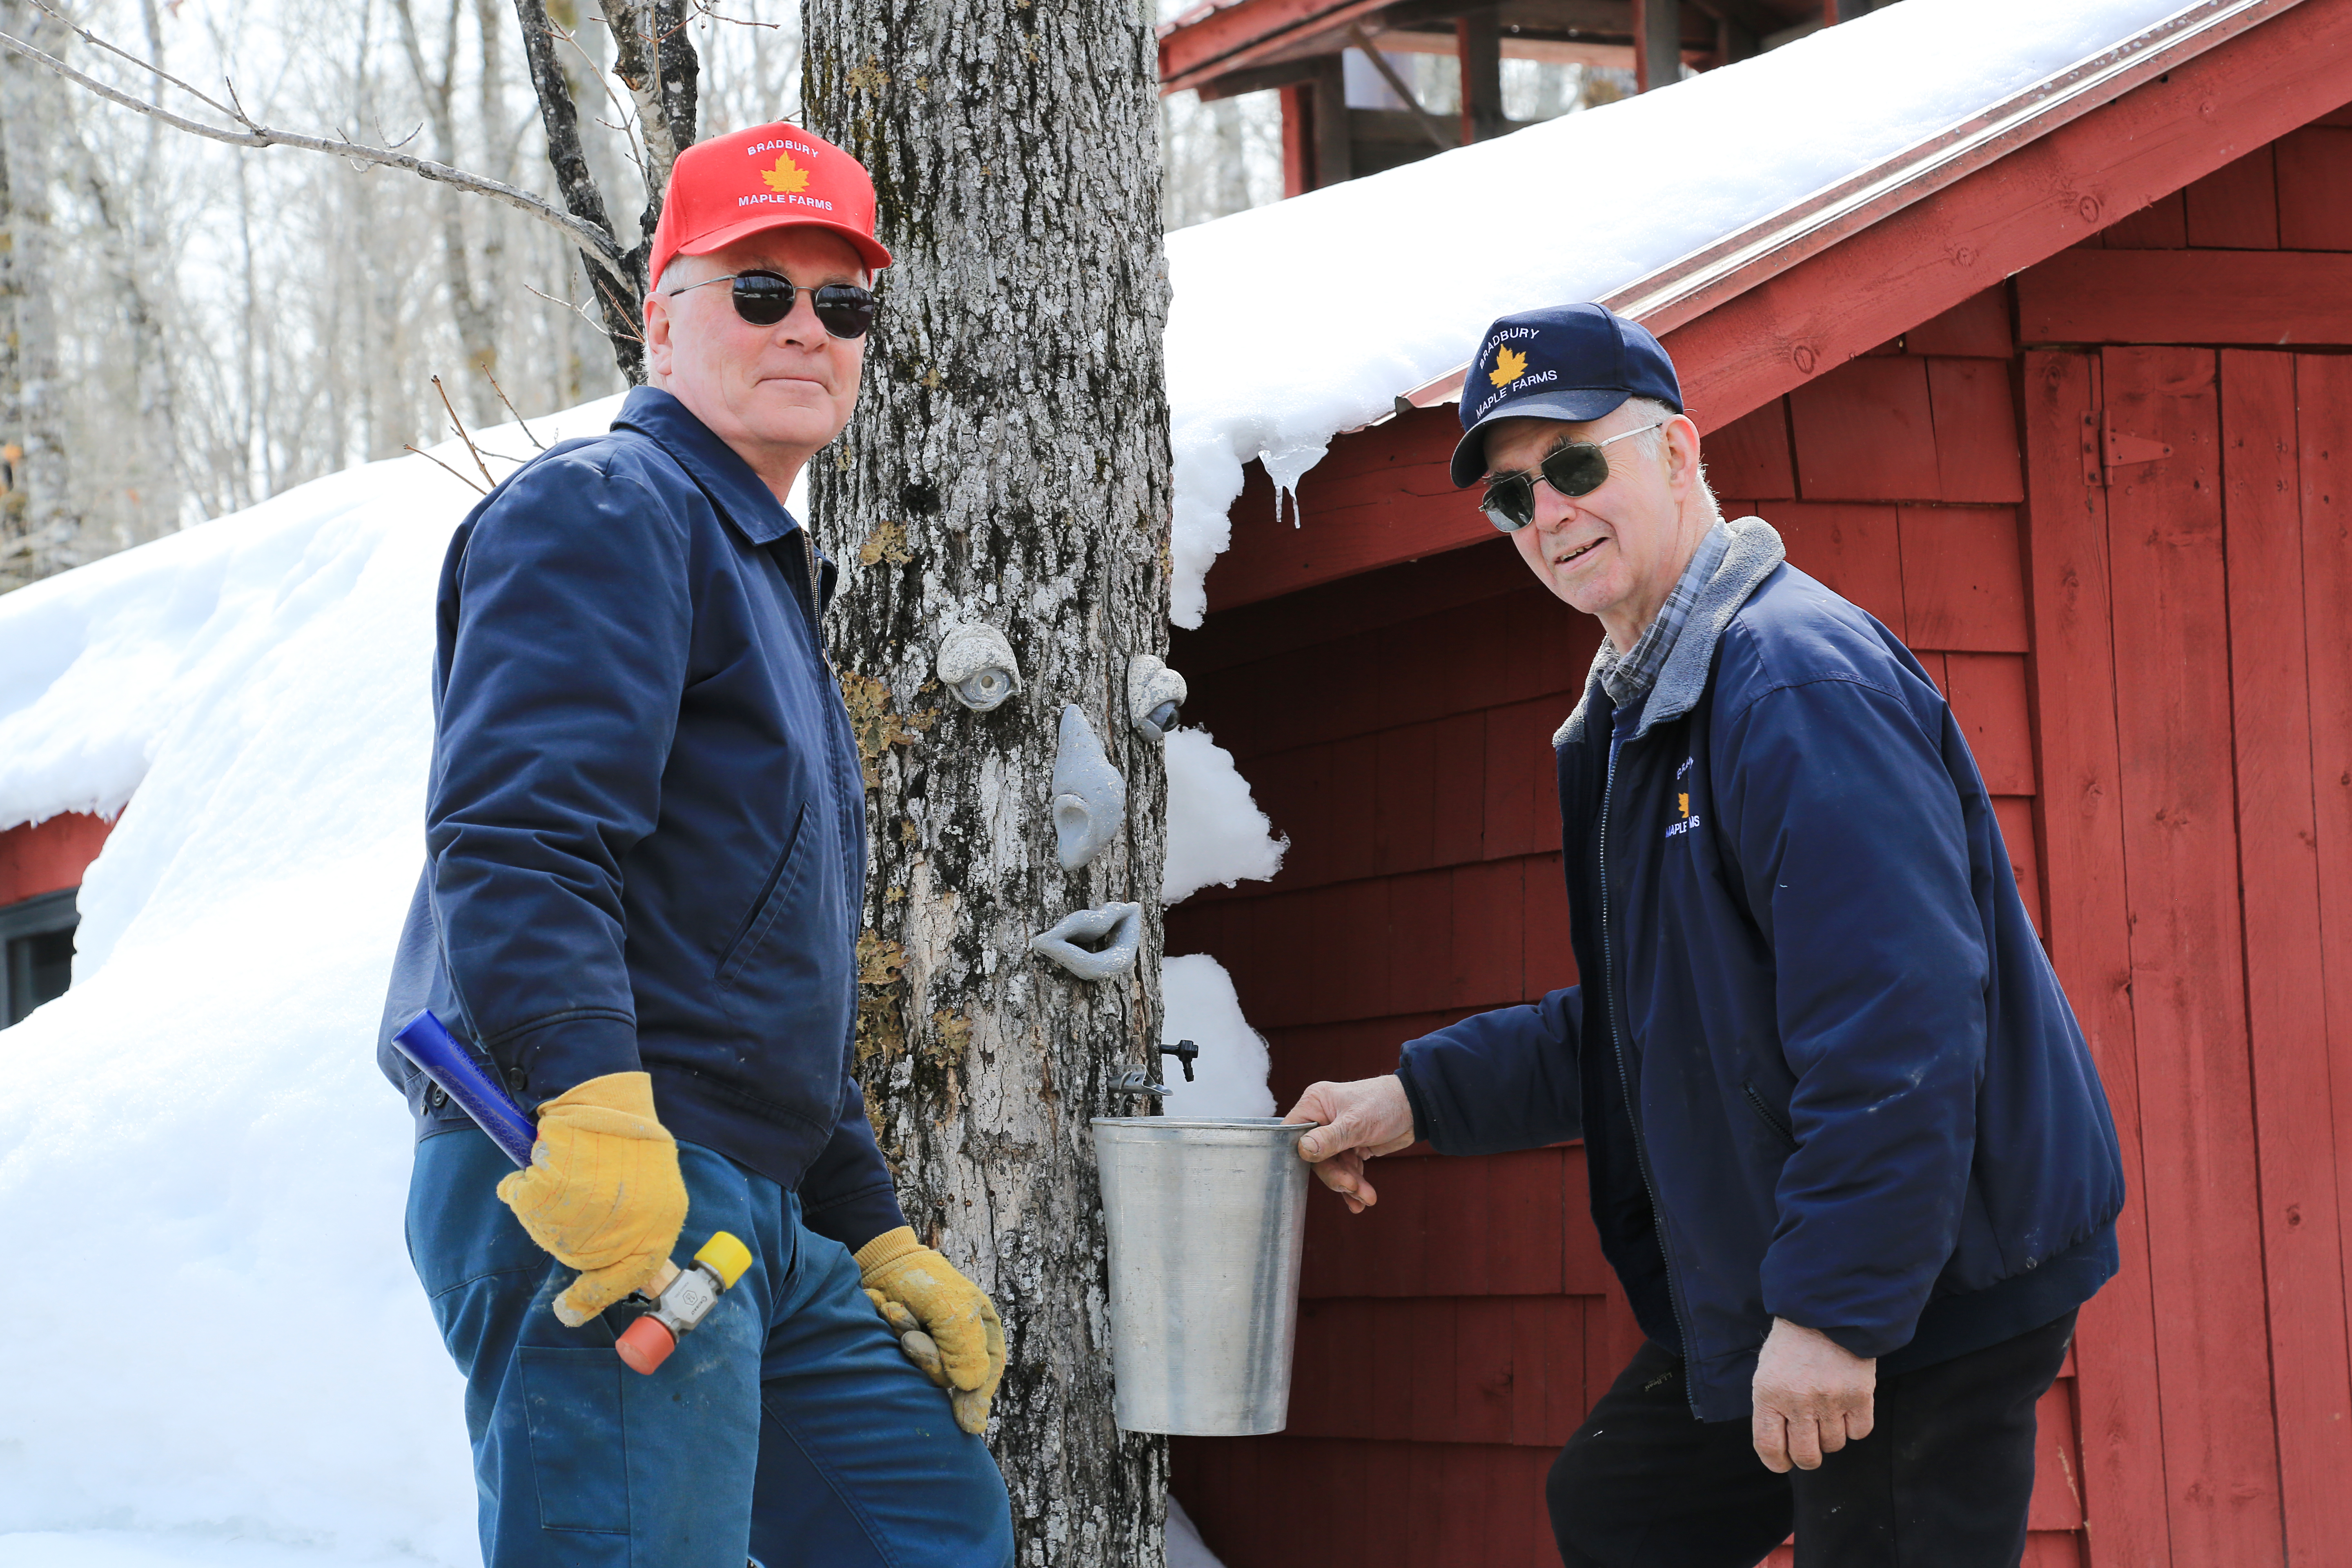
x=646 y=835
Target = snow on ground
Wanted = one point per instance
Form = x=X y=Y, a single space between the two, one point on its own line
x=132 y=1549
x=1294 y=321
x=231 y=1362
x=234 y=1362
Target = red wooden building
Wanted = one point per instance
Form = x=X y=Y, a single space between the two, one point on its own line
x=41 y=866
x=2066 y=400
x=1221 y=49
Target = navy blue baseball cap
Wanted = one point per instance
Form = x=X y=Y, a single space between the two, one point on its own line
x=1572 y=362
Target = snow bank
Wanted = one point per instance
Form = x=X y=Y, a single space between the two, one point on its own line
x=196 y=1134
x=1293 y=323
x=1216 y=834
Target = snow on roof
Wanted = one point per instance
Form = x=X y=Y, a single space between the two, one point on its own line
x=1296 y=321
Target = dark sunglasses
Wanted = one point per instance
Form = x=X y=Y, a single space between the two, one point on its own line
x=1576 y=469
x=763 y=298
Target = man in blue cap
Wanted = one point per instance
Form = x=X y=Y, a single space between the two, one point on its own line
x=1847 y=1152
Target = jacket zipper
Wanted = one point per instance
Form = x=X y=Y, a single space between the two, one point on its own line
x=816 y=616
x=1756 y=1103
x=1625 y=1087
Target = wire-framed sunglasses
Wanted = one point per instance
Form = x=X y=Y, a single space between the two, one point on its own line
x=763 y=298
x=1576 y=469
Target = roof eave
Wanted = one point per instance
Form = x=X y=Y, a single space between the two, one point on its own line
x=1693 y=284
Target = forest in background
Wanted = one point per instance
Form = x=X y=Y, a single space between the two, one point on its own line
x=191 y=328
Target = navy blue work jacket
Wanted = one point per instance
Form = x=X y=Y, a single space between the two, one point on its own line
x=1821 y=1065
x=645 y=829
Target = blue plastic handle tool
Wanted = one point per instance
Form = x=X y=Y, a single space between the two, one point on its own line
x=437 y=1052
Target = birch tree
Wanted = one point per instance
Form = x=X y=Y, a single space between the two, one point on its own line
x=37 y=525
x=1008 y=465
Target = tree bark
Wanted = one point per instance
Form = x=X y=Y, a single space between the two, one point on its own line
x=476 y=329
x=145 y=471
x=1008 y=464
x=619 y=301
x=39 y=523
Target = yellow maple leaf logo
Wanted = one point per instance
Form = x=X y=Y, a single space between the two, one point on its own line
x=1508 y=367
x=1683 y=801
x=787 y=177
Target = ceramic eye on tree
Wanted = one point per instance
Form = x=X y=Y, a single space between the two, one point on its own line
x=1008 y=465
x=978 y=668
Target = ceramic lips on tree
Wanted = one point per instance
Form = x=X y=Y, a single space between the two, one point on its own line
x=1008 y=465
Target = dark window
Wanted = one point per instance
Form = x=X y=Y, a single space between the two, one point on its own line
x=37 y=938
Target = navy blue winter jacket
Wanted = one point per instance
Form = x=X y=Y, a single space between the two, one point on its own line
x=645 y=826
x=1821 y=1065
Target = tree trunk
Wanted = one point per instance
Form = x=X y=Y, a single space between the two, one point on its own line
x=477 y=330
x=618 y=300
x=1008 y=464
x=140 y=483
x=39 y=535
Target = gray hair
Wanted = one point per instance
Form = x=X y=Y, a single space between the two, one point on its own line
x=1653 y=442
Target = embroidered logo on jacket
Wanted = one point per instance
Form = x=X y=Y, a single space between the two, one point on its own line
x=1684 y=821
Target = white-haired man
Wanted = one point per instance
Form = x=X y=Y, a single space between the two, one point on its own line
x=1847 y=1152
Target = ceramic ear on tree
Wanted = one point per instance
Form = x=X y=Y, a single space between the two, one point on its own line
x=1154 y=693
x=1118 y=927
x=1089 y=794
x=976 y=664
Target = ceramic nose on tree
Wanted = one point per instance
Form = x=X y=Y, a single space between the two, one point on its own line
x=1090 y=795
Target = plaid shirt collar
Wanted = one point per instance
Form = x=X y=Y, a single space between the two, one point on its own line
x=1628 y=678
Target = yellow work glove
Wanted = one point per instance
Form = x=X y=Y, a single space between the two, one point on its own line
x=956 y=1314
x=601 y=1192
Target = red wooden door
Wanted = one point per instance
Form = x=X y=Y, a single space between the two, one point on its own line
x=2190 y=572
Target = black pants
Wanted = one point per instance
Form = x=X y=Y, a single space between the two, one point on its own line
x=1942 y=1481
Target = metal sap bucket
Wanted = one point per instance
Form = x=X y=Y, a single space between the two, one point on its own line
x=1206 y=1222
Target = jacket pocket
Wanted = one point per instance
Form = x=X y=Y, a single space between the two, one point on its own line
x=775 y=898
x=1767 y=1115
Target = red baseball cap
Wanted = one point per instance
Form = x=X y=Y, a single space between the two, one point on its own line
x=770 y=176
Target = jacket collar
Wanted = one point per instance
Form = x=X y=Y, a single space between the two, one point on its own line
x=1755 y=552
x=739 y=494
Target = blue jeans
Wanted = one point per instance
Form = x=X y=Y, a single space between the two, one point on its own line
x=787 y=1428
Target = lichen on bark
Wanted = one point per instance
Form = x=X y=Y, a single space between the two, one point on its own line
x=1008 y=464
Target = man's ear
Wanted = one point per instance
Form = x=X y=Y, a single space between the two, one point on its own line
x=658 y=338
x=1681 y=452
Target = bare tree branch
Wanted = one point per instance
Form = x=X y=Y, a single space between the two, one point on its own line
x=459 y=425
x=150 y=66
x=598 y=246
x=537 y=443
x=446 y=468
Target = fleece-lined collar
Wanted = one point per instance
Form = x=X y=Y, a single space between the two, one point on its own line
x=1628 y=679
x=1755 y=548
